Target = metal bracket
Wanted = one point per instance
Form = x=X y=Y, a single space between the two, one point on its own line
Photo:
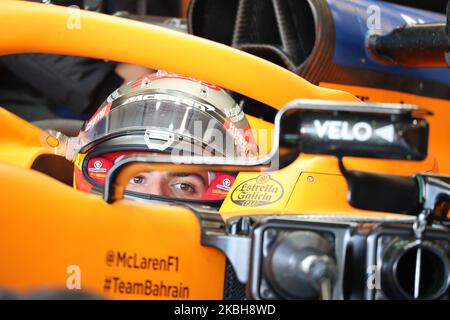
x=213 y=234
x=236 y=249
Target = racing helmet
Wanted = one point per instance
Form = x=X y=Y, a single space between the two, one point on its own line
x=162 y=113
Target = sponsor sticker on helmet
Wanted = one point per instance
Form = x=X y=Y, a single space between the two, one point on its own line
x=226 y=183
x=99 y=115
x=219 y=187
x=260 y=191
x=243 y=138
x=113 y=96
x=168 y=97
x=167 y=75
x=98 y=168
x=235 y=113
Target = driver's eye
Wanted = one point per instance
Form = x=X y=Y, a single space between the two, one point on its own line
x=137 y=180
x=184 y=187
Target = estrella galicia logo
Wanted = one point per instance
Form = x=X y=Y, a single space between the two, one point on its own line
x=256 y=192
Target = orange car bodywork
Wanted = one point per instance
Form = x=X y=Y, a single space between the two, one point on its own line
x=50 y=232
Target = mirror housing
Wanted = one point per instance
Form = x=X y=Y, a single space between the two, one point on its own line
x=301 y=127
x=376 y=130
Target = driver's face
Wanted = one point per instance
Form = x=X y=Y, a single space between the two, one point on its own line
x=170 y=184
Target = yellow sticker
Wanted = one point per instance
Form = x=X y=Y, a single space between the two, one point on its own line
x=256 y=192
x=52 y=141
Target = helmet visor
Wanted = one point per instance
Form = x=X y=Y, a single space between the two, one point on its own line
x=161 y=117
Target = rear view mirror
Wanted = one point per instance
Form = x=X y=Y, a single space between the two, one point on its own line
x=388 y=131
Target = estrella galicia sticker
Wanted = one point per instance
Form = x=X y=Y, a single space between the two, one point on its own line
x=256 y=192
